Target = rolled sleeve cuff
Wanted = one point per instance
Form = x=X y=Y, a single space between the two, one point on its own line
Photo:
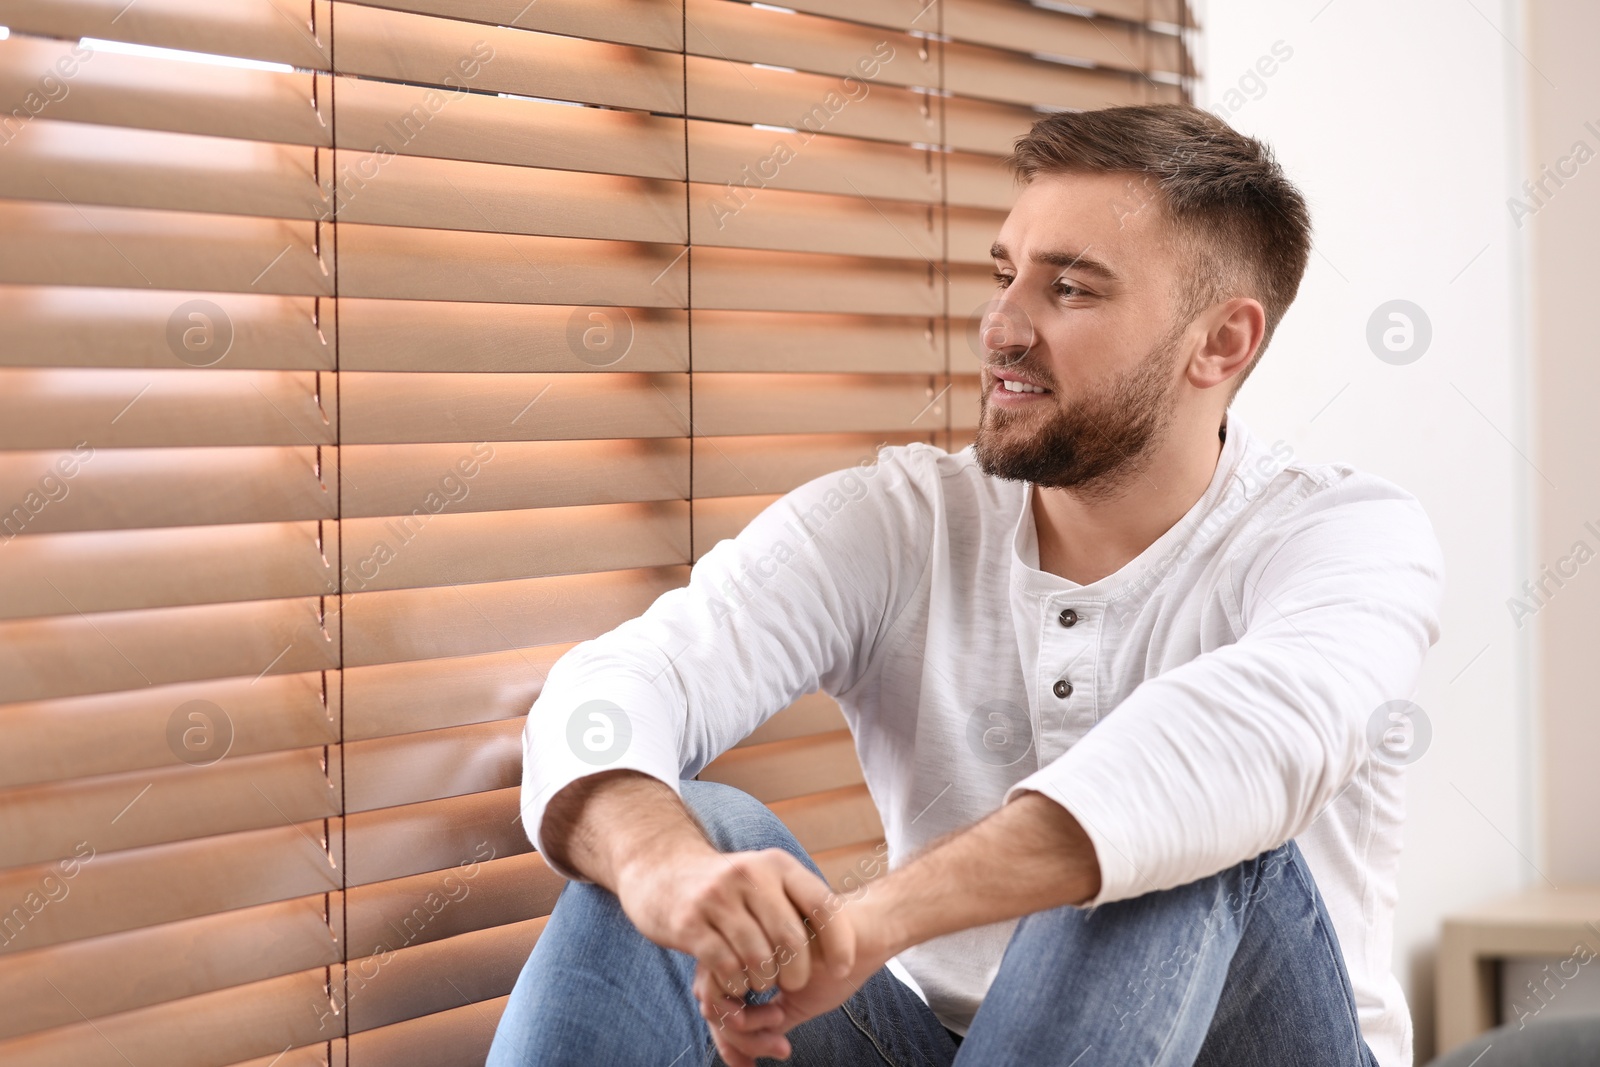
x=557 y=752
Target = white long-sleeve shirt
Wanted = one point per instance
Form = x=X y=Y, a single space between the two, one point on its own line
x=1210 y=700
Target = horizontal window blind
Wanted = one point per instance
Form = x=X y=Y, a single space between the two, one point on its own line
x=359 y=359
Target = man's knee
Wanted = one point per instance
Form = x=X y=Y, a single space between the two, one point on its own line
x=735 y=821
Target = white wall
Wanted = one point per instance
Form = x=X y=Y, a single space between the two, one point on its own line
x=1402 y=125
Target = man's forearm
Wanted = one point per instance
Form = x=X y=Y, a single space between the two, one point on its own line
x=601 y=823
x=1031 y=855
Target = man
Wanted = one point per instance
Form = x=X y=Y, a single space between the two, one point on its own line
x=1112 y=673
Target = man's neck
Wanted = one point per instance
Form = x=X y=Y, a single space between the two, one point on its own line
x=1085 y=537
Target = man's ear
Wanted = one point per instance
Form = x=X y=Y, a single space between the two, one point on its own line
x=1234 y=329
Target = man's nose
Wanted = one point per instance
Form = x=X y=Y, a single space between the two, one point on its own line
x=1006 y=332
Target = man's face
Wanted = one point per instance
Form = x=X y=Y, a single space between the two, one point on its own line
x=1085 y=307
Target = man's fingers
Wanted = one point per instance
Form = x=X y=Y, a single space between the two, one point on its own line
x=742 y=1031
x=750 y=949
x=717 y=956
x=822 y=906
x=785 y=928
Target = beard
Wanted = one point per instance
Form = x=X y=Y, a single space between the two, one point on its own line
x=1095 y=444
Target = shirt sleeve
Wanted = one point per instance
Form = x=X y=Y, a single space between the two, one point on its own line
x=1240 y=749
x=795 y=603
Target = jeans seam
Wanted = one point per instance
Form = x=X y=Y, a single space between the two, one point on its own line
x=868 y=1034
x=1334 y=955
x=1188 y=994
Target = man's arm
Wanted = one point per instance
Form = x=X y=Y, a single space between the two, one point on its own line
x=794 y=603
x=603 y=823
x=1029 y=856
x=1241 y=748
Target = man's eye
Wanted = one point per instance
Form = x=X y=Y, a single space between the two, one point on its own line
x=1063 y=287
x=1002 y=280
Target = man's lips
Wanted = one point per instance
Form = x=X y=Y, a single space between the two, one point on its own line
x=1001 y=377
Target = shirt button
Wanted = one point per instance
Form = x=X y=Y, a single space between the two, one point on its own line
x=1068 y=617
x=1062 y=688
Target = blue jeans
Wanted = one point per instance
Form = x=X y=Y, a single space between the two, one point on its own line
x=1241 y=969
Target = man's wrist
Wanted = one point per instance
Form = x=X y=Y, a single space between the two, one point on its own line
x=881 y=920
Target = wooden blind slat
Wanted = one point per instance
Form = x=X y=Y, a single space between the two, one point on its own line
x=894 y=14
x=969 y=285
x=979 y=181
x=743 y=161
x=411 y=768
x=397 y=698
x=126 y=570
x=256 y=1019
x=74 y=655
x=738 y=92
x=815 y=713
x=832 y=818
x=53 y=740
x=424 y=979
x=1168 y=11
x=964 y=404
x=61 y=244
x=425 y=121
x=424 y=549
x=739 y=466
x=973 y=70
x=456 y=1037
x=167 y=94
x=640 y=22
x=740 y=279
x=43 y=409
x=972 y=231
x=170 y=961
x=67 y=326
x=416 y=838
x=394 y=261
x=444 y=52
x=849 y=867
x=726 y=29
x=1020 y=26
x=477 y=895
x=449 y=194
x=780 y=770
x=720 y=518
x=378 y=408
x=42 y=822
x=727 y=404
x=117 y=891
x=437 y=335
x=985 y=126
x=115 y=489
x=461 y=620
x=254 y=29
x=775 y=341
x=394 y=480
x=852 y=225
x=80 y=163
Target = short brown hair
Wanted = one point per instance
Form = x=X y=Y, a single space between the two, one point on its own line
x=1243 y=226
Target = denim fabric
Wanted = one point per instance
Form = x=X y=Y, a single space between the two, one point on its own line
x=1240 y=969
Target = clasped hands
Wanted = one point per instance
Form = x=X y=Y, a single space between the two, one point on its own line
x=753 y=920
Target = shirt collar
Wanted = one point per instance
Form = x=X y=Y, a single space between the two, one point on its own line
x=1025 y=573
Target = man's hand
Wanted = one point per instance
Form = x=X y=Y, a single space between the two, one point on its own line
x=744 y=1031
x=741 y=915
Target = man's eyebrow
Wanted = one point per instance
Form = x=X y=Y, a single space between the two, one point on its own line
x=1081 y=261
